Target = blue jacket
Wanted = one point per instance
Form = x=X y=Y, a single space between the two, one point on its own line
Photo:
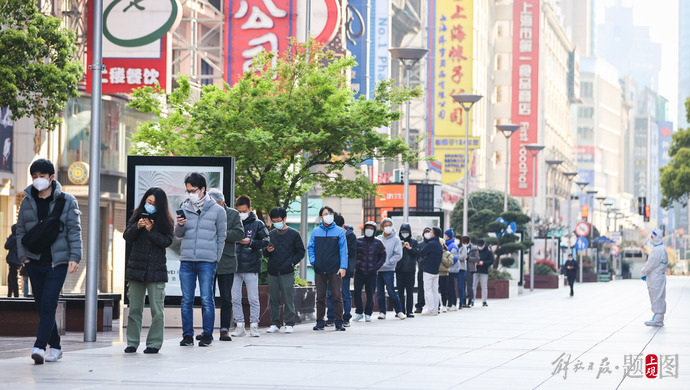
x=328 y=249
x=432 y=254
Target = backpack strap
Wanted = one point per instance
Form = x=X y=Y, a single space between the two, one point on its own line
x=59 y=206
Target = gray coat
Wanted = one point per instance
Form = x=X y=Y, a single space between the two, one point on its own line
x=393 y=251
x=235 y=232
x=67 y=246
x=203 y=235
x=461 y=264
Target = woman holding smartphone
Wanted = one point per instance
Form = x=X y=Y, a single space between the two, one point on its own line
x=150 y=232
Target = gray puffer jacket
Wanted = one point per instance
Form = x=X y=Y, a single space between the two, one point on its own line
x=203 y=235
x=67 y=246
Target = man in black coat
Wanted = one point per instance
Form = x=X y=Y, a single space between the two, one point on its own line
x=371 y=254
x=486 y=259
x=405 y=269
x=430 y=256
x=571 y=267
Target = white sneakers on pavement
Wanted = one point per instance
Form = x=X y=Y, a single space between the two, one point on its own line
x=288 y=329
x=38 y=355
x=401 y=315
x=444 y=309
x=657 y=320
x=254 y=329
x=54 y=355
x=453 y=308
x=382 y=316
x=357 y=317
x=239 y=331
x=273 y=329
x=367 y=318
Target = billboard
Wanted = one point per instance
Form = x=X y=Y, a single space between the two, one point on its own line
x=665 y=217
x=379 y=67
x=137 y=47
x=254 y=26
x=525 y=95
x=356 y=33
x=450 y=73
x=6 y=130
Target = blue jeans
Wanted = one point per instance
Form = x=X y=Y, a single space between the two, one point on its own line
x=347 y=302
x=385 y=279
x=205 y=272
x=46 y=284
x=461 y=286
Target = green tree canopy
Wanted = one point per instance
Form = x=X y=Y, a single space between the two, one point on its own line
x=39 y=70
x=285 y=105
x=675 y=176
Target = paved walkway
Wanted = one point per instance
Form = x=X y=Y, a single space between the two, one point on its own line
x=512 y=344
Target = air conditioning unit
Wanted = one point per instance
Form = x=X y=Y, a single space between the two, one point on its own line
x=398 y=175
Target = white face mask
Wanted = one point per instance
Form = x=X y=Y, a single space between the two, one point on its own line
x=194 y=198
x=244 y=216
x=388 y=229
x=328 y=219
x=404 y=234
x=427 y=235
x=41 y=184
x=368 y=232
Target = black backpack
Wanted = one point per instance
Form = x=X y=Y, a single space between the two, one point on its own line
x=43 y=234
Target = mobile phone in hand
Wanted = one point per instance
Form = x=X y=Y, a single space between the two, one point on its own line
x=181 y=214
x=146 y=215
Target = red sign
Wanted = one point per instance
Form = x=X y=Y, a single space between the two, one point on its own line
x=582 y=229
x=651 y=366
x=393 y=196
x=254 y=26
x=525 y=94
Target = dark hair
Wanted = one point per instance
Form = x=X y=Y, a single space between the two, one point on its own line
x=330 y=210
x=195 y=179
x=465 y=239
x=42 y=166
x=278 y=212
x=437 y=232
x=339 y=220
x=164 y=220
x=243 y=200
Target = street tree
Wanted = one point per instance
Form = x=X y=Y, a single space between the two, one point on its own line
x=291 y=122
x=675 y=176
x=39 y=68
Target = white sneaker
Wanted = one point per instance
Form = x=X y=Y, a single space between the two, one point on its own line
x=367 y=318
x=426 y=312
x=288 y=329
x=254 y=329
x=444 y=309
x=273 y=329
x=382 y=316
x=54 y=355
x=453 y=308
x=358 y=317
x=239 y=331
x=38 y=355
x=657 y=320
x=401 y=315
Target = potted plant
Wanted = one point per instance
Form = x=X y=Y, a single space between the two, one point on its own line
x=499 y=285
x=589 y=275
x=305 y=299
x=545 y=275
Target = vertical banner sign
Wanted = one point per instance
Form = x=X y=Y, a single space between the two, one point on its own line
x=137 y=47
x=450 y=73
x=525 y=94
x=665 y=217
x=6 y=138
x=380 y=33
x=356 y=35
x=254 y=26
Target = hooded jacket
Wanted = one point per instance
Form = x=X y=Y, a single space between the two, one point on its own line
x=430 y=255
x=351 y=238
x=249 y=256
x=472 y=257
x=328 y=249
x=408 y=262
x=486 y=256
x=67 y=246
x=393 y=251
x=203 y=235
x=371 y=253
x=235 y=232
x=454 y=251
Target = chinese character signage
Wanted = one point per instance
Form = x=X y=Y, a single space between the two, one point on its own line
x=254 y=26
x=136 y=44
x=392 y=196
x=357 y=31
x=525 y=97
x=450 y=73
x=379 y=68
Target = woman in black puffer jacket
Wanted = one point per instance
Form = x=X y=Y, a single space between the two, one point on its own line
x=149 y=232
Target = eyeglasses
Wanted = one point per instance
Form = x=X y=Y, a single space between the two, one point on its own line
x=193 y=191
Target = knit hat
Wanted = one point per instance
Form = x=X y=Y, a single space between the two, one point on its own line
x=449 y=233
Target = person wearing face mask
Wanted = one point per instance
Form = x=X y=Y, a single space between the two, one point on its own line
x=203 y=229
x=249 y=260
x=452 y=290
x=571 y=267
x=284 y=252
x=386 y=274
x=654 y=273
x=432 y=253
x=149 y=232
x=328 y=255
x=486 y=259
x=405 y=270
x=371 y=254
x=351 y=260
x=48 y=269
x=227 y=266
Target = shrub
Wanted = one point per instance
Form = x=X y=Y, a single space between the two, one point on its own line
x=545 y=267
x=495 y=274
x=507 y=261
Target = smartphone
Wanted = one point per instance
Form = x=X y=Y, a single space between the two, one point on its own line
x=146 y=215
x=181 y=213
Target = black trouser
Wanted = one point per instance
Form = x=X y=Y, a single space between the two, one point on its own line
x=368 y=281
x=420 y=290
x=571 y=281
x=12 y=281
x=443 y=289
x=225 y=287
x=452 y=289
x=469 y=279
x=405 y=284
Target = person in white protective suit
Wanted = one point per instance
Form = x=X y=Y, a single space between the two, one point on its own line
x=654 y=272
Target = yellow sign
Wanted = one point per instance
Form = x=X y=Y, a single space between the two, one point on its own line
x=78 y=172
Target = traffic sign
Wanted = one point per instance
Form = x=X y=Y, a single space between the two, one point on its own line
x=581 y=243
x=582 y=229
x=615 y=250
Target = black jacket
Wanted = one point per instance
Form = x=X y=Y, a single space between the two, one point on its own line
x=351 y=238
x=146 y=262
x=287 y=253
x=571 y=263
x=11 y=246
x=431 y=255
x=487 y=257
x=408 y=263
x=249 y=256
x=371 y=254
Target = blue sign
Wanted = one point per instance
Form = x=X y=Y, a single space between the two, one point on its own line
x=357 y=34
x=581 y=243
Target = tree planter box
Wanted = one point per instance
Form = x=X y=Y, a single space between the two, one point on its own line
x=498 y=289
x=543 y=281
x=305 y=303
x=589 y=278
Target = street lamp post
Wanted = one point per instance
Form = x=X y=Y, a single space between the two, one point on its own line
x=408 y=56
x=466 y=100
x=507 y=130
x=601 y=200
x=534 y=149
x=570 y=176
x=554 y=165
x=582 y=184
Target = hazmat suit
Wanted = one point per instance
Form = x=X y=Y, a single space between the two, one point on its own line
x=654 y=272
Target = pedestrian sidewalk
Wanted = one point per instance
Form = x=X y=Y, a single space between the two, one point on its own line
x=520 y=343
